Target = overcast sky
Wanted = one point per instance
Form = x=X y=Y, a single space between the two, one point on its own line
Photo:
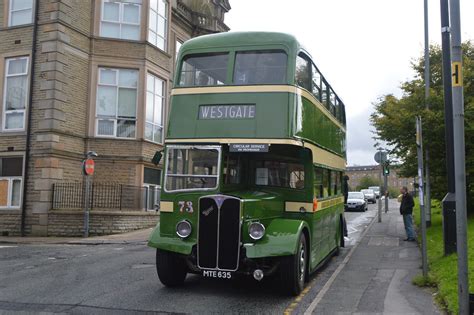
x=362 y=47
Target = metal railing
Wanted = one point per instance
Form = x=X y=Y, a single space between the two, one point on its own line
x=102 y=196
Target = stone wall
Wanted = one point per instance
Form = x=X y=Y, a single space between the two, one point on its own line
x=10 y=223
x=71 y=222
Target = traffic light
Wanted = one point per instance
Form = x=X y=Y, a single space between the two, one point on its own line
x=386 y=169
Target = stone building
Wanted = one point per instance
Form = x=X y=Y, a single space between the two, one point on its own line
x=88 y=75
x=356 y=173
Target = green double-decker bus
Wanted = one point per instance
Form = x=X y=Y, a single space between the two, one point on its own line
x=253 y=163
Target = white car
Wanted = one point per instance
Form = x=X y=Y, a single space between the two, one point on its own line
x=356 y=201
x=369 y=195
x=376 y=190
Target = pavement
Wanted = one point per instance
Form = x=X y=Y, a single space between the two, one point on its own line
x=138 y=236
x=375 y=277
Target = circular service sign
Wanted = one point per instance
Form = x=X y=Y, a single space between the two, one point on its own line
x=88 y=166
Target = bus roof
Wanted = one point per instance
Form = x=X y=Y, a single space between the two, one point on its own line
x=241 y=39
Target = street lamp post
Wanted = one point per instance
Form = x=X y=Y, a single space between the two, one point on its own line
x=427 y=104
x=459 y=158
x=449 y=201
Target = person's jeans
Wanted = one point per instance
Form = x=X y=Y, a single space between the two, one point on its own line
x=408 y=221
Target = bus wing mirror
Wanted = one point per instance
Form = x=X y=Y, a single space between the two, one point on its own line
x=157 y=157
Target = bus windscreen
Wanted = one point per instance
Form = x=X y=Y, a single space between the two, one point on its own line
x=260 y=67
x=204 y=70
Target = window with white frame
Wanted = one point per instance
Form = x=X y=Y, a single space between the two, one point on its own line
x=120 y=19
x=116 y=104
x=15 y=96
x=20 y=12
x=151 y=183
x=11 y=176
x=158 y=24
x=177 y=48
x=154 y=108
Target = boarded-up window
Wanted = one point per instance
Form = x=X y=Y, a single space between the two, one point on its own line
x=3 y=192
x=11 y=172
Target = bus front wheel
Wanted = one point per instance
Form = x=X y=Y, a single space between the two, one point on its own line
x=171 y=268
x=293 y=269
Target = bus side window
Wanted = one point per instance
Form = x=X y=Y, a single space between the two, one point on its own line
x=324 y=94
x=303 y=74
x=316 y=82
x=339 y=182
x=334 y=183
x=318 y=182
x=326 y=183
x=332 y=102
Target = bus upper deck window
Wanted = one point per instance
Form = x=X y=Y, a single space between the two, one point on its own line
x=303 y=72
x=204 y=69
x=316 y=79
x=260 y=67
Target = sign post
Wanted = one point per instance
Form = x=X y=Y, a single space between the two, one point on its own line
x=380 y=158
x=385 y=183
x=88 y=168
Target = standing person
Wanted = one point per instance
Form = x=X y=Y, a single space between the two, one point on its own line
x=406 y=209
x=345 y=187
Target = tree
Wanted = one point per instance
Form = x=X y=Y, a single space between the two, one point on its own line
x=367 y=181
x=394 y=121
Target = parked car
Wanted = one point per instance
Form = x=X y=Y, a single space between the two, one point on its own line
x=369 y=195
x=376 y=190
x=356 y=201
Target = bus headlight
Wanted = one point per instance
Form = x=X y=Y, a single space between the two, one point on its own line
x=256 y=230
x=183 y=229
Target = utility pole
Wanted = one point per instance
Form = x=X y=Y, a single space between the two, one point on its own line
x=449 y=201
x=419 y=149
x=459 y=159
x=385 y=183
x=427 y=104
x=379 y=204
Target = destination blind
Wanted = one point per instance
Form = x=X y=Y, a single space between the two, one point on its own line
x=235 y=111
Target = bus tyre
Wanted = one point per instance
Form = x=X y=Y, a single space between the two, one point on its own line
x=170 y=267
x=293 y=269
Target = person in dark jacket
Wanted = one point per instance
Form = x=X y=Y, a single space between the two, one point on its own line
x=406 y=209
x=345 y=187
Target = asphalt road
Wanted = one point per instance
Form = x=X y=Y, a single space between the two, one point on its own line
x=121 y=279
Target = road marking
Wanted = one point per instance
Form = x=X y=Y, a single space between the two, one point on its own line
x=298 y=299
x=7 y=246
x=353 y=230
x=328 y=284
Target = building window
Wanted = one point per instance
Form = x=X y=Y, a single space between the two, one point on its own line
x=11 y=172
x=151 y=183
x=154 y=109
x=116 y=103
x=15 y=93
x=157 y=23
x=120 y=19
x=177 y=47
x=20 y=12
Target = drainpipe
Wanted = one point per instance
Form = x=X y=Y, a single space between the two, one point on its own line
x=28 y=122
